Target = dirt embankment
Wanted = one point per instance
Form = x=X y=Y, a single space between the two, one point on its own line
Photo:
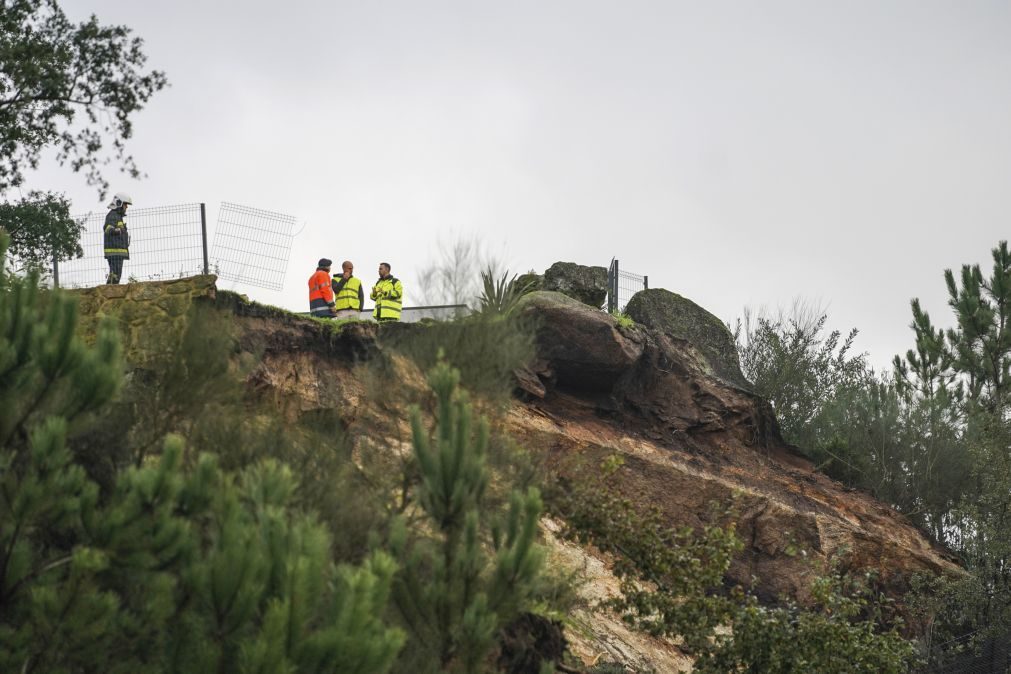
x=688 y=437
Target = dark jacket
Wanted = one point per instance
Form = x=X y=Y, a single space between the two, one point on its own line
x=117 y=238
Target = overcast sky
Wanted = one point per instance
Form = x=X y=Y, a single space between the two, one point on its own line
x=739 y=153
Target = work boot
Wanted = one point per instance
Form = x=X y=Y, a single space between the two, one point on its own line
x=112 y=280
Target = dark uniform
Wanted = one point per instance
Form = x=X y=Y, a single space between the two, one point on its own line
x=117 y=243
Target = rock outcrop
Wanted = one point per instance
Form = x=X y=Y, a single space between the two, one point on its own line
x=689 y=432
x=585 y=348
x=586 y=284
x=691 y=439
x=681 y=319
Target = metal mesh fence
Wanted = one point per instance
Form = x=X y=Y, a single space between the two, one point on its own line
x=165 y=243
x=991 y=657
x=252 y=246
x=621 y=285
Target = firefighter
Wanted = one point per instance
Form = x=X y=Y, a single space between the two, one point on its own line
x=321 y=302
x=117 y=238
x=349 y=298
x=388 y=294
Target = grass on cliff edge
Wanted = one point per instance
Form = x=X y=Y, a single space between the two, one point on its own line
x=485 y=348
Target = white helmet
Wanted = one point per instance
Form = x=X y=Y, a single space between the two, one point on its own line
x=121 y=198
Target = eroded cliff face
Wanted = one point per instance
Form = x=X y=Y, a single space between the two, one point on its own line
x=688 y=437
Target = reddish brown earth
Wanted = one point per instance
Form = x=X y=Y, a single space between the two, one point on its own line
x=688 y=439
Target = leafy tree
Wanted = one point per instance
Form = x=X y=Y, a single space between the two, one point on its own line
x=984 y=536
x=453 y=274
x=41 y=229
x=52 y=72
x=172 y=570
x=70 y=86
x=453 y=593
x=840 y=634
x=798 y=368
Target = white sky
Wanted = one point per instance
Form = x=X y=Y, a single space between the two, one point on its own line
x=739 y=153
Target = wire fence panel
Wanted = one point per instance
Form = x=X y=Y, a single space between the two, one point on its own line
x=621 y=285
x=252 y=246
x=990 y=657
x=165 y=243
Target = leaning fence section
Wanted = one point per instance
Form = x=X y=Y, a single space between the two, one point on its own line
x=166 y=242
x=621 y=285
x=252 y=246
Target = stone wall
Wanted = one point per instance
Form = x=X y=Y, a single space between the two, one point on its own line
x=152 y=316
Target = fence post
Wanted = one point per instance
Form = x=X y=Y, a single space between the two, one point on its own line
x=617 y=299
x=645 y=282
x=56 y=271
x=610 y=287
x=203 y=236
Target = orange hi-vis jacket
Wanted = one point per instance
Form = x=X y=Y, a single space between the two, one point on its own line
x=320 y=293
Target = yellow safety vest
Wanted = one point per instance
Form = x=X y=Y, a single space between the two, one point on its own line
x=347 y=298
x=389 y=296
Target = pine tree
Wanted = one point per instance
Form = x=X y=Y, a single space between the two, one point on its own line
x=175 y=569
x=971 y=363
x=453 y=593
x=981 y=345
x=957 y=385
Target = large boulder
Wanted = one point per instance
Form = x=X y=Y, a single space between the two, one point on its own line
x=583 y=348
x=680 y=318
x=586 y=284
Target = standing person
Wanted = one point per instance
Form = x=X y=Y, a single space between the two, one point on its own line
x=349 y=298
x=388 y=294
x=117 y=238
x=320 y=292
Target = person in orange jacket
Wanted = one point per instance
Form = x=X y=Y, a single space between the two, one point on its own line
x=321 y=300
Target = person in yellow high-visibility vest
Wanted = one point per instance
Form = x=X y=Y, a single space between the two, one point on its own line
x=349 y=298
x=388 y=294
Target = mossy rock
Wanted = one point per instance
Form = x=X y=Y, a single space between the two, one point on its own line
x=586 y=284
x=681 y=318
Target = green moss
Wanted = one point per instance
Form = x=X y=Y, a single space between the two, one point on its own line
x=622 y=319
x=681 y=318
x=586 y=284
x=242 y=305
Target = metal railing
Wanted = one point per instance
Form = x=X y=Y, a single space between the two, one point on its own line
x=621 y=285
x=439 y=312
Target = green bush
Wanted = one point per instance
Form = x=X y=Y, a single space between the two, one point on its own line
x=622 y=319
x=178 y=566
x=672 y=584
x=485 y=348
x=476 y=572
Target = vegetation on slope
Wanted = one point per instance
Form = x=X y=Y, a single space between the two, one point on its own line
x=932 y=437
